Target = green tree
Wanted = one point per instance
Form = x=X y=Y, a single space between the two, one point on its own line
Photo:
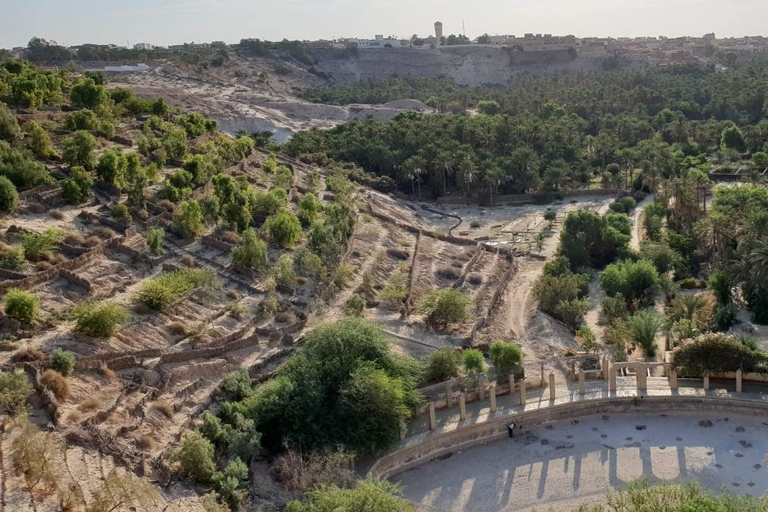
x=79 y=150
x=112 y=167
x=77 y=188
x=195 y=457
x=155 y=240
x=283 y=228
x=474 y=361
x=373 y=495
x=189 y=219
x=633 y=280
x=443 y=364
x=86 y=93
x=643 y=327
x=9 y=127
x=505 y=355
x=38 y=140
x=252 y=251
x=732 y=138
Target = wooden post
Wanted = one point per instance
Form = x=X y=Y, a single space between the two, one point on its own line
x=612 y=383
x=448 y=395
x=739 y=376
x=462 y=407
x=552 y=390
x=606 y=367
x=522 y=391
x=512 y=383
x=706 y=382
x=432 y=420
x=481 y=388
x=493 y=397
x=582 y=386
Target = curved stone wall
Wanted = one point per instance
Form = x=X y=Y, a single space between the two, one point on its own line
x=426 y=447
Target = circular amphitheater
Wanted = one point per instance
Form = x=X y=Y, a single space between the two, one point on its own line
x=576 y=439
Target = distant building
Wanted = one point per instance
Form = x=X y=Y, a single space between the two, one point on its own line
x=501 y=40
x=143 y=46
x=547 y=42
x=19 y=52
x=379 y=42
x=438 y=31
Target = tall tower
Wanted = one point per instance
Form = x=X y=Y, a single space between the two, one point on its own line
x=439 y=32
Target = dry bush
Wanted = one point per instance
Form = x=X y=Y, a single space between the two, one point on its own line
x=147 y=442
x=399 y=254
x=104 y=233
x=297 y=473
x=56 y=214
x=36 y=208
x=28 y=354
x=74 y=239
x=92 y=241
x=188 y=260
x=457 y=264
x=90 y=404
x=475 y=279
x=285 y=317
x=59 y=258
x=448 y=273
x=178 y=328
x=107 y=372
x=8 y=346
x=301 y=280
x=232 y=294
x=231 y=237
x=34 y=454
x=142 y=214
x=42 y=265
x=167 y=205
x=56 y=382
x=74 y=416
x=163 y=408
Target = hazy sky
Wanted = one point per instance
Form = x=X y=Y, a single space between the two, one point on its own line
x=165 y=22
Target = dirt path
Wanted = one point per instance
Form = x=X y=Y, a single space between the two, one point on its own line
x=637 y=224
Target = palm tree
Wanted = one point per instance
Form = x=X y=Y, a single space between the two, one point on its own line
x=687 y=307
x=643 y=327
x=758 y=262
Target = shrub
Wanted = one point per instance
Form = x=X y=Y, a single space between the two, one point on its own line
x=282 y=178
x=395 y=292
x=62 y=361
x=163 y=408
x=443 y=364
x=9 y=197
x=189 y=219
x=252 y=251
x=717 y=354
x=284 y=274
x=633 y=280
x=444 y=306
x=663 y=257
x=355 y=305
x=99 y=318
x=9 y=126
x=614 y=308
x=616 y=334
x=13 y=259
x=15 y=388
x=21 y=305
x=283 y=228
x=159 y=292
x=78 y=150
x=474 y=361
x=559 y=292
x=56 y=382
x=720 y=285
x=724 y=316
x=309 y=264
x=643 y=327
x=587 y=339
x=343 y=275
x=155 y=240
x=588 y=239
x=571 y=312
x=237 y=385
x=195 y=456
x=505 y=355
x=122 y=215
x=385 y=496
x=35 y=244
x=39 y=142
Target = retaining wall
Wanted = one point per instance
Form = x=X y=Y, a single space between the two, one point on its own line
x=524 y=198
x=429 y=446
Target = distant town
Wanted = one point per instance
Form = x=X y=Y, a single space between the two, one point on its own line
x=658 y=50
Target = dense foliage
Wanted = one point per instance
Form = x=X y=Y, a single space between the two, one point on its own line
x=717 y=354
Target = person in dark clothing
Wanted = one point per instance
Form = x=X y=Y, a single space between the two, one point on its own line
x=511 y=429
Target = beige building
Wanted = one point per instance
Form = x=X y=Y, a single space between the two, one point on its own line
x=547 y=42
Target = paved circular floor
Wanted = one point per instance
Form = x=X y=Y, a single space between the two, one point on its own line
x=562 y=465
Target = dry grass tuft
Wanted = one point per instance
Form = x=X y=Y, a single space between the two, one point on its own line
x=178 y=328
x=56 y=382
x=448 y=273
x=42 y=265
x=56 y=214
x=285 y=317
x=232 y=294
x=74 y=416
x=188 y=260
x=167 y=205
x=231 y=237
x=104 y=233
x=107 y=372
x=90 y=404
x=163 y=408
x=147 y=442
x=475 y=279
x=399 y=254
x=92 y=241
x=8 y=346
x=74 y=239
x=28 y=354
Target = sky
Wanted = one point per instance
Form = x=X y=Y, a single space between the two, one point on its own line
x=163 y=22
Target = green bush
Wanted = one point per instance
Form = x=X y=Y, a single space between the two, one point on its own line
x=15 y=388
x=77 y=188
x=355 y=306
x=189 y=219
x=443 y=364
x=252 y=251
x=14 y=258
x=9 y=197
x=22 y=306
x=156 y=294
x=78 y=150
x=587 y=339
x=309 y=264
x=588 y=239
x=282 y=178
x=372 y=495
x=237 y=384
x=717 y=354
x=720 y=285
x=38 y=140
x=283 y=228
x=122 y=214
x=663 y=257
x=560 y=292
x=395 y=292
x=9 y=127
x=62 y=361
x=35 y=244
x=99 y=318
x=309 y=207
x=474 y=361
x=195 y=456
x=284 y=274
x=643 y=327
x=86 y=93
x=614 y=308
x=444 y=306
x=633 y=280
x=155 y=240
x=505 y=355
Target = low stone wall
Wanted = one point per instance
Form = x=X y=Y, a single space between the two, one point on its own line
x=196 y=371
x=10 y=274
x=216 y=243
x=525 y=198
x=208 y=353
x=75 y=279
x=53 y=272
x=429 y=446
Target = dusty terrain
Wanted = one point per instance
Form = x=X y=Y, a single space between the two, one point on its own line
x=563 y=465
